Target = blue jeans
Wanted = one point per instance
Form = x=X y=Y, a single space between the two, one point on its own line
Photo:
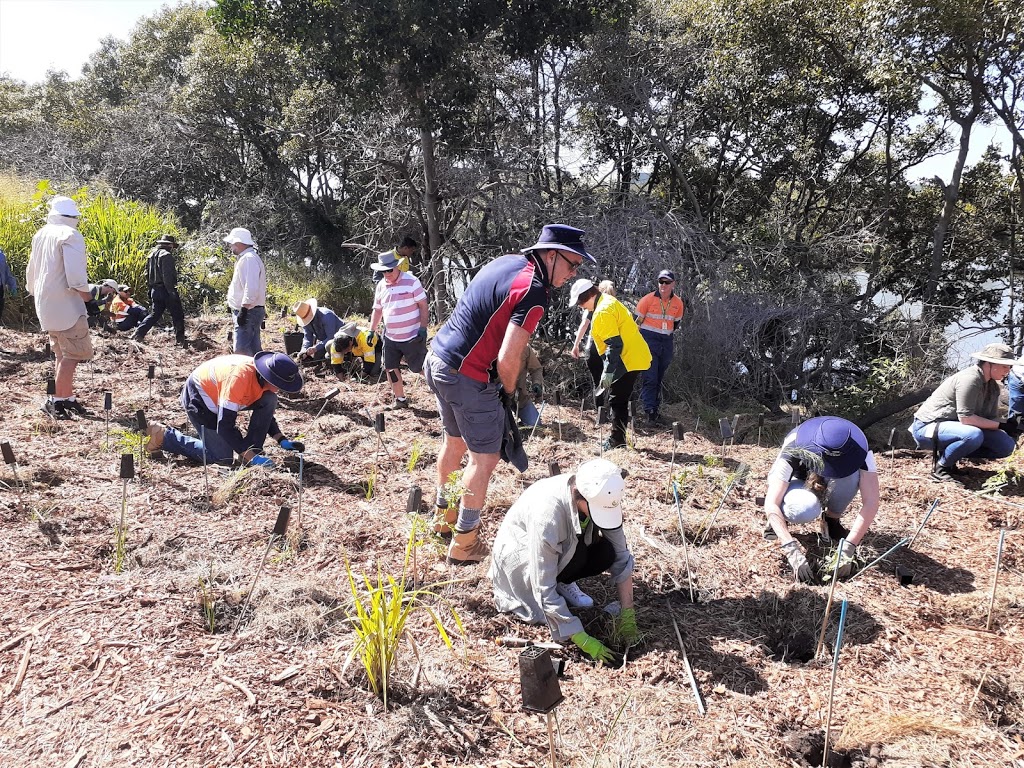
x=247 y=337
x=217 y=449
x=661 y=358
x=959 y=441
x=1015 y=388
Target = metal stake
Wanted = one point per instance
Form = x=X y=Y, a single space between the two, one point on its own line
x=921 y=526
x=880 y=558
x=536 y=424
x=828 y=604
x=832 y=683
x=741 y=473
x=686 y=546
x=206 y=470
x=280 y=528
x=995 y=578
x=298 y=511
x=107 y=406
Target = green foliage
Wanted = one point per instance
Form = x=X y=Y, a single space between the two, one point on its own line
x=454 y=489
x=414 y=455
x=887 y=378
x=208 y=601
x=1007 y=475
x=379 y=618
x=371 y=482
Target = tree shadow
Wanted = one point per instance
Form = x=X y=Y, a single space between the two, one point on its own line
x=925 y=570
x=313 y=473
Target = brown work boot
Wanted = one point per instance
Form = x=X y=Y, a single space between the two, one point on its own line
x=156 y=434
x=467 y=548
x=444 y=521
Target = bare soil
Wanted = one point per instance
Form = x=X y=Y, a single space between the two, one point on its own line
x=99 y=667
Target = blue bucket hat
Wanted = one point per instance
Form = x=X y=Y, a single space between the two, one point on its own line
x=841 y=444
x=562 y=238
x=280 y=370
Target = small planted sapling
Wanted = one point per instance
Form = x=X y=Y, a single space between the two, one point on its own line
x=414 y=455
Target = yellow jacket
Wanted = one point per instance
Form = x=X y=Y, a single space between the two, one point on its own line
x=612 y=318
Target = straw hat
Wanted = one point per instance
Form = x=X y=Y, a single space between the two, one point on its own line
x=305 y=311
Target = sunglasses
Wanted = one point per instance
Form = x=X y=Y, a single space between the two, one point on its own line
x=574 y=266
x=666 y=282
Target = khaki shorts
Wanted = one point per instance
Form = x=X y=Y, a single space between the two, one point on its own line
x=74 y=343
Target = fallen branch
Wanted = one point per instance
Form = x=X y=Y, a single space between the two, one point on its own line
x=241 y=687
x=22 y=669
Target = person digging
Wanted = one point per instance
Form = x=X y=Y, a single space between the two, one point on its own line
x=353 y=342
x=213 y=396
x=823 y=464
x=562 y=529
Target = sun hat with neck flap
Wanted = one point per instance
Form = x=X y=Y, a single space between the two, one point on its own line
x=840 y=444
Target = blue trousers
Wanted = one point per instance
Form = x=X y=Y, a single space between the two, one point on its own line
x=1015 y=388
x=959 y=441
x=661 y=357
x=217 y=449
x=247 y=337
x=135 y=316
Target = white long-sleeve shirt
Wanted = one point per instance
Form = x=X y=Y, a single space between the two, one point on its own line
x=56 y=272
x=249 y=281
x=536 y=540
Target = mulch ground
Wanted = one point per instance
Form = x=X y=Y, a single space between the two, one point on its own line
x=142 y=665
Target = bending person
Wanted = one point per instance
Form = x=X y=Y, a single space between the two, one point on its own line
x=823 y=464
x=213 y=396
x=319 y=326
x=960 y=419
x=624 y=352
x=594 y=362
x=562 y=529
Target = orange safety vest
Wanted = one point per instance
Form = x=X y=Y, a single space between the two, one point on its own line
x=659 y=316
x=229 y=382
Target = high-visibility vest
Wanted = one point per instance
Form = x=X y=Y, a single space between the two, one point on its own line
x=658 y=315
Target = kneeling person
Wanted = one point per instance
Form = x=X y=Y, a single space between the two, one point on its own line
x=561 y=529
x=212 y=397
x=359 y=343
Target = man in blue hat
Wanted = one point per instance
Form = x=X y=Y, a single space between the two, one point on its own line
x=474 y=364
x=823 y=464
x=213 y=396
x=659 y=315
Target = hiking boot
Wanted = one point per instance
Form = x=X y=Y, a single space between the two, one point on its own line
x=398 y=405
x=574 y=596
x=73 y=406
x=444 y=521
x=55 y=410
x=653 y=418
x=181 y=341
x=943 y=474
x=466 y=547
x=156 y=434
x=136 y=337
x=609 y=444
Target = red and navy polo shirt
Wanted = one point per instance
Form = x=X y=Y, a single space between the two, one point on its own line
x=511 y=288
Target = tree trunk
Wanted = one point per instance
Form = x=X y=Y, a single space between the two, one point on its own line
x=431 y=205
x=893 y=407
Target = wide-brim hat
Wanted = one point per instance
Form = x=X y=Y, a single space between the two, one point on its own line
x=562 y=238
x=64 y=206
x=170 y=240
x=305 y=311
x=280 y=370
x=600 y=482
x=239 y=235
x=386 y=261
x=348 y=331
x=1000 y=354
x=839 y=443
x=580 y=287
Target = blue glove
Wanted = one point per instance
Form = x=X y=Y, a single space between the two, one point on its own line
x=421 y=334
x=293 y=445
x=261 y=461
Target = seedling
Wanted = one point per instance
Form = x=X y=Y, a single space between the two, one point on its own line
x=280 y=529
x=832 y=682
x=371 y=482
x=10 y=461
x=208 y=601
x=120 y=535
x=454 y=489
x=738 y=476
x=995 y=579
x=414 y=455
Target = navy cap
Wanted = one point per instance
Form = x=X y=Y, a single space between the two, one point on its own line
x=841 y=444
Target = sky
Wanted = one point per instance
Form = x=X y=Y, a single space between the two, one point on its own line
x=37 y=35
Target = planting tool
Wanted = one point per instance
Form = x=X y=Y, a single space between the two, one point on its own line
x=327 y=398
x=880 y=558
x=738 y=477
x=686 y=546
x=760 y=426
x=686 y=662
x=921 y=526
x=832 y=682
x=828 y=603
x=677 y=436
x=995 y=579
x=206 y=468
x=108 y=404
x=9 y=459
x=554 y=469
x=522 y=642
x=280 y=529
x=151 y=374
x=600 y=429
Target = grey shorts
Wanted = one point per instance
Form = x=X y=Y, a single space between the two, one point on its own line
x=469 y=409
x=414 y=351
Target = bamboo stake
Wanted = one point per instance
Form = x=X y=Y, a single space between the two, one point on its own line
x=686 y=546
x=686 y=663
x=913 y=538
x=551 y=739
x=995 y=578
x=832 y=683
x=298 y=509
x=741 y=472
x=828 y=603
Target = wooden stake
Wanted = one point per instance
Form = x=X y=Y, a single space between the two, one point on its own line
x=995 y=578
x=832 y=683
x=686 y=663
x=828 y=604
x=551 y=738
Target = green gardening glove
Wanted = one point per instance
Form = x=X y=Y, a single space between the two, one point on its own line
x=596 y=650
x=627 y=626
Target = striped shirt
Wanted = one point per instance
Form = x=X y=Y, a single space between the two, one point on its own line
x=399 y=305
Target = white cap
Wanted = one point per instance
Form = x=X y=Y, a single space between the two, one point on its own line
x=600 y=482
x=111 y=284
x=239 y=235
x=64 y=206
x=580 y=287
